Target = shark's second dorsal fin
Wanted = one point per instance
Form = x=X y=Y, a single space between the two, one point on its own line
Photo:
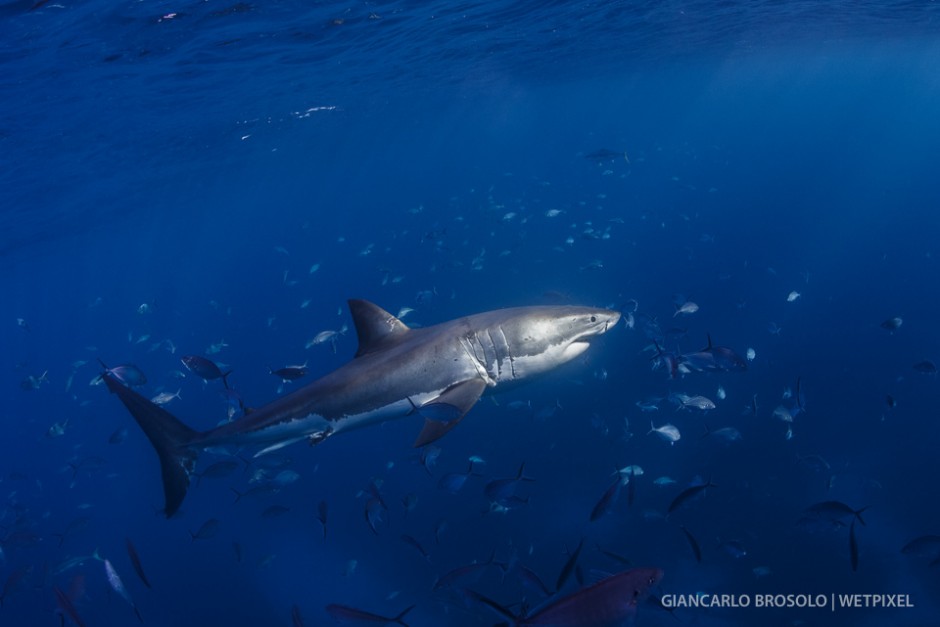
x=375 y=327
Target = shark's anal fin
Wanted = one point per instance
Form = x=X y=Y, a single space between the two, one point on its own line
x=457 y=400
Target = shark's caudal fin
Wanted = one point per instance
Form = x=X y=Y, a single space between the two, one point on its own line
x=170 y=437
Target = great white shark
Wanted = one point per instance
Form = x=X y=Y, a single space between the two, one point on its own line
x=437 y=372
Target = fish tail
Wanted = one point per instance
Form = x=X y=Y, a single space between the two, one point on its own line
x=858 y=514
x=511 y=618
x=520 y=476
x=398 y=619
x=170 y=438
x=492 y=558
x=225 y=379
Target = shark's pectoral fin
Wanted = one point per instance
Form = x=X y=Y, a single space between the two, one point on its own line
x=447 y=410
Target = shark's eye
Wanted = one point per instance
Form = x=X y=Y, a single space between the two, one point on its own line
x=593 y=318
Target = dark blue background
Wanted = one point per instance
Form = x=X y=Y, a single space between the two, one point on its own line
x=771 y=148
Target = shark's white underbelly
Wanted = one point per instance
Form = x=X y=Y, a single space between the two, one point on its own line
x=315 y=427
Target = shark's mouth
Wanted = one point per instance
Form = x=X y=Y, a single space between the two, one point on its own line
x=574 y=349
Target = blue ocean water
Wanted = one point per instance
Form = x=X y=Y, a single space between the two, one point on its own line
x=218 y=178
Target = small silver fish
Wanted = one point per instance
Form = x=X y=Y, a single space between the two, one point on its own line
x=285 y=477
x=667 y=432
x=596 y=264
x=115 y=580
x=327 y=336
x=892 y=323
x=128 y=374
x=165 y=397
x=632 y=470
x=33 y=383
x=216 y=348
x=698 y=402
x=628 y=320
x=58 y=429
x=74 y=562
x=726 y=434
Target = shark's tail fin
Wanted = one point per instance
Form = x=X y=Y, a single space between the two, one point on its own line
x=170 y=437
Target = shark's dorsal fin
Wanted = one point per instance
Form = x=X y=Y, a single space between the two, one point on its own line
x=375 y=327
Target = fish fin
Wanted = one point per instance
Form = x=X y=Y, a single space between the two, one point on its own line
x=520 y=476
x=375 y=327
x=853 y=547
x=398 y=619
x=460 y=397
x=170 y=438
x=493 y=605
x=434 y=430
x=799 y=394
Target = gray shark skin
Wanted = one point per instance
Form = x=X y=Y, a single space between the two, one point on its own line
x=437 y=372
